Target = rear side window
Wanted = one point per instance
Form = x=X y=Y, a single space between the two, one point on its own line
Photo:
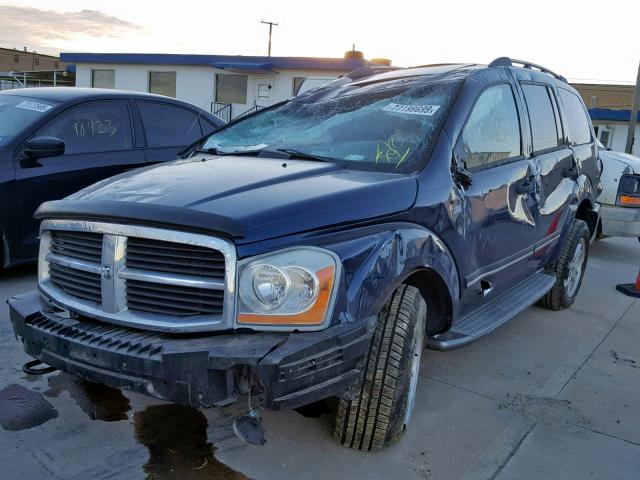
x=207 y=127
x=578 y=123
x=91 y=128
x=169 y=125
x=492 y=132
x=544 y=130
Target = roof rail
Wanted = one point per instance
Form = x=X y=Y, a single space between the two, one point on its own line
x=512 y=62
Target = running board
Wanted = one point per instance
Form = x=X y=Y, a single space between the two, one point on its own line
x=493 y=314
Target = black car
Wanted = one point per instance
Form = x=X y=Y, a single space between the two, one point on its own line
x=315 y=248
x=55 y=141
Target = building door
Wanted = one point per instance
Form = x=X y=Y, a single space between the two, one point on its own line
x=264 y=87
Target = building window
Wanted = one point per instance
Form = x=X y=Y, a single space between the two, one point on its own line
x=163 y=83
x=56 y=65
x=103 y=78
x=231 y=89
x=604 y=135
x=36 y=61
x=297 y=84
x=16 y=59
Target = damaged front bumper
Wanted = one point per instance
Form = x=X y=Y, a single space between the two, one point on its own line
x=200 y=370
x=620 y=221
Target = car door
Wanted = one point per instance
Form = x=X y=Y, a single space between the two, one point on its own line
x=555 y=165
x=499 y=201
x=580 y=138
x=99 y=143
x=168 y=129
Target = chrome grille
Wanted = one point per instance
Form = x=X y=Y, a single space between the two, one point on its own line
x=161 y=256
x=85 y=285
x=80 y=245
x=173 y=300
x=138 y=276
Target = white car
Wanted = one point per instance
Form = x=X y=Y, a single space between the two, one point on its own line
x=620 y=197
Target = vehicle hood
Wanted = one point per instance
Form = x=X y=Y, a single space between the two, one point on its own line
x=248 y=198
x=629 y=160
x=615 y=165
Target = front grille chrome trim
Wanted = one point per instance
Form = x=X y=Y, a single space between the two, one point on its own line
x=176 y=279
x=73 y=263
x=114 y=273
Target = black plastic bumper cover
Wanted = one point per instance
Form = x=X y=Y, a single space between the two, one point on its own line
x=198 y=370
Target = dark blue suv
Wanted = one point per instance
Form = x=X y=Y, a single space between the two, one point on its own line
x=55 y=141
x=315 y=248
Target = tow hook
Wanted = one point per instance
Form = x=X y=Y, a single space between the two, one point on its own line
x=29 y=368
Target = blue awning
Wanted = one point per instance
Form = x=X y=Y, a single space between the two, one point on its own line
x=608 y=114
x=229 y=62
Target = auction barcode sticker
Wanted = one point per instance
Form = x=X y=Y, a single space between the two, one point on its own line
x=428 y=110
x=35 y=106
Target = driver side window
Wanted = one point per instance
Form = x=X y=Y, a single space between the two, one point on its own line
x=91 y=128
x=492 y=132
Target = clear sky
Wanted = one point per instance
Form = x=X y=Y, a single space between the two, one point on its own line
x=582 y=40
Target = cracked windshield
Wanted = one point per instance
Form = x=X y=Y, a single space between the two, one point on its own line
x=385 y=128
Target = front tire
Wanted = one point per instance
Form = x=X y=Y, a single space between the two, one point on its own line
x=379 y=410
x=570 y=268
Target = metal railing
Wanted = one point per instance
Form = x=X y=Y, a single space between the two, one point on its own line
x=255 y=108
x=221 y=110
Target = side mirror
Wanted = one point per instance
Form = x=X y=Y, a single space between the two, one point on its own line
x=41 y=147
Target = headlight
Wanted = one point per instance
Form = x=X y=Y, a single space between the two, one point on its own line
x=629 y=191
x=291 y=288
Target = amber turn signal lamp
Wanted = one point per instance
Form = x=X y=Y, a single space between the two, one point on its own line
x=629 y=201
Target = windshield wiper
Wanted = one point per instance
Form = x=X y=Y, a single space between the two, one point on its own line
x=216 y=151
x=210 y=151
x=306 y=156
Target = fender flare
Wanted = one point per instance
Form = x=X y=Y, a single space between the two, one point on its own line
x=387 y=256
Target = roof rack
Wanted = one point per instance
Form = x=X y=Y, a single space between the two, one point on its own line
x=512 y=62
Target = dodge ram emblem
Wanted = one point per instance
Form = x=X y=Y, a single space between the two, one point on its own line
x=107 y=272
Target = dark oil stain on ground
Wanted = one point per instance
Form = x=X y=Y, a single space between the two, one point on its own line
x=98 y=401
x=21 y=408
x=176 y=437
x=625 y=361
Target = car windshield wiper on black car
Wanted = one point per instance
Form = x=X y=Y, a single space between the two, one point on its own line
x=210 y=151
x=216 y=151
x=306 y=156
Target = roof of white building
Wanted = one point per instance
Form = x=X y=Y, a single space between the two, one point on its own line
x=229 y=62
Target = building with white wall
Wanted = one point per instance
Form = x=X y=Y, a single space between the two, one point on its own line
x=611 y=127
x=225 y=85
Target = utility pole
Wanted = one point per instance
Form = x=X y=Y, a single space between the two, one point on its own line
x=271 y=24
x=634 y=115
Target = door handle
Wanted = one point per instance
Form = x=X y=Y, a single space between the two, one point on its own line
x=525 y=186
x=570 y=172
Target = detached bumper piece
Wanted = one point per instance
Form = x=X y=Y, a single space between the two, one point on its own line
x=200 y=370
